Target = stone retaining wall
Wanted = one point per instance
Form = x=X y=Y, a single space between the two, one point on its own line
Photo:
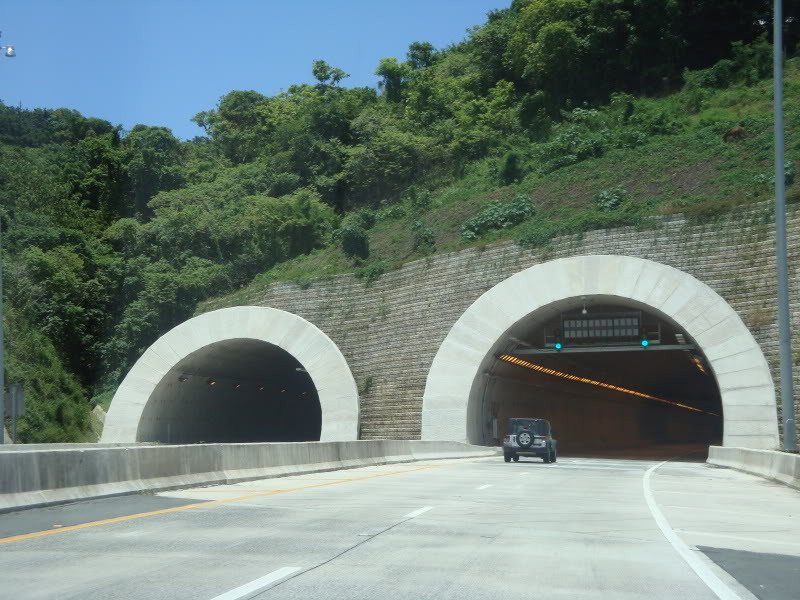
x=390 y=330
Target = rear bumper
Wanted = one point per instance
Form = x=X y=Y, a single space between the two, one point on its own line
x=532 y=451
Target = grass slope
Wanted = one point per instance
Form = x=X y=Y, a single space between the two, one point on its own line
x=687 y=170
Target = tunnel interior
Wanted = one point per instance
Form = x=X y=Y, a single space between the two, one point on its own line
x=608 y=376
x=237 y=390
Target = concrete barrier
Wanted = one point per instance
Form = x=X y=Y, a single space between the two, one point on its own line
x=778 y=466
x=45 y=476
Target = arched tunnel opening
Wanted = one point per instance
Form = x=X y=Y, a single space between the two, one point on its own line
x=608 y=377
x=237 y=390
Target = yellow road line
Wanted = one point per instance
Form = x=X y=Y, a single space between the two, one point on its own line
x=37 y=534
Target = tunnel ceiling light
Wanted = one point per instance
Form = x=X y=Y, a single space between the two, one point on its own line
x=261 y=388
x=529 y=365
x=236 y=386
x=212 y=382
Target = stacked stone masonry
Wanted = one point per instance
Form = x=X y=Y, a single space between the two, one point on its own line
x=390 y=330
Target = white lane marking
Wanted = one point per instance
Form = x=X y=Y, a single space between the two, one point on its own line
x=715 y=584
x=417 y=512
x=593 y=468
x=738 y=537
x=732 y=512
x=526 y=473
x=483 y=487
x=257 y=585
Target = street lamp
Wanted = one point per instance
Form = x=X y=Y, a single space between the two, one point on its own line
x=8 y=51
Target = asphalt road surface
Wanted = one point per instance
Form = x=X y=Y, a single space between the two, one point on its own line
x=610 y=528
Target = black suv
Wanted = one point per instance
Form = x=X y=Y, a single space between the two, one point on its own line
x=529 y=437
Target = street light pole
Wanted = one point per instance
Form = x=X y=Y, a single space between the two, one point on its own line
x=9 y=52
x=784 y=321
x=2 y=348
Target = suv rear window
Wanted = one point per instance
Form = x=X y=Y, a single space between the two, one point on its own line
x=535 y=426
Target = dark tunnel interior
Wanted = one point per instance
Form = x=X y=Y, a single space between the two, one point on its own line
x=239 y=390
x=623 y=378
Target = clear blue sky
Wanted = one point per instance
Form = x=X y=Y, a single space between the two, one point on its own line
x=161 y=62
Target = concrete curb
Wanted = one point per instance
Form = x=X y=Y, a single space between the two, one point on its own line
x=44 y=477
x=770 y=464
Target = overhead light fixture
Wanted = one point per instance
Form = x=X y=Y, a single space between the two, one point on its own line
x=212 y=382
x=236 y=386
x=261 y=388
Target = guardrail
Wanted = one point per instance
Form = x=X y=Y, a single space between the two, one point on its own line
x=779 y=466
x=43 y=476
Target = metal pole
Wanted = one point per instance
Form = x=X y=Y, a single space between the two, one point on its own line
x=2 y=347
x=784 y=325
x=14 y=392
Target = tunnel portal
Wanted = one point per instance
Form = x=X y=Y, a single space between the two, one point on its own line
x=236 y=390
x=608 y=377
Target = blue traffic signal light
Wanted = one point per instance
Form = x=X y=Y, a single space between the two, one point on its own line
x=557 y=346
x=645 y=343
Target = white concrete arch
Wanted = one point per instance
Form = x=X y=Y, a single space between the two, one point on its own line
x=319 y=356
x=742 y=372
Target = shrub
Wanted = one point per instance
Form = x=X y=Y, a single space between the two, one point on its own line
x=422 y=237
x=510 y=169
x=611 y=198
x=418 y=199
x=387 y=213
x=371 y=272
x=354 y=240
x=498 y=215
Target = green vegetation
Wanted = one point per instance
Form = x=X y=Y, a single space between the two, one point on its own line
x=554 y=117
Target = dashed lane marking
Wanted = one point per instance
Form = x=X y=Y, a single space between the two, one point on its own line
x=37 y=534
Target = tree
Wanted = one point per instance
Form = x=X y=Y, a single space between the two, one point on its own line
x=394 y=78
x=324 y=73
x=420 y=55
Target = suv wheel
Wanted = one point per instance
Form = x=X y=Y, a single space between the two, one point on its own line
x=506 y=457
x=516 y=458
x=524 y=439
x=546 y=457
x=553 y=456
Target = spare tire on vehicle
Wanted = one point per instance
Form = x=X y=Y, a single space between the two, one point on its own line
x=524 y=439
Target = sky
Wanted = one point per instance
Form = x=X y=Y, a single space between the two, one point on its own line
x=162 y=62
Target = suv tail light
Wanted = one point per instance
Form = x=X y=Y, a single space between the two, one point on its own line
x=507 y=438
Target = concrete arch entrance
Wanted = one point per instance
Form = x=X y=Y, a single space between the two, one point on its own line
x=243 y=374
x=452 y=402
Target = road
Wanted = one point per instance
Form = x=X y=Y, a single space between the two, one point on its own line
x=458 y=529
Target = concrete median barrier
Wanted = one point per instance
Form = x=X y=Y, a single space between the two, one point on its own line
x=43 y=476
x=771 y=464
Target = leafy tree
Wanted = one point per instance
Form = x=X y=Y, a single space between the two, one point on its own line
x=394 y=76
x=324 y=73
x=421 y=55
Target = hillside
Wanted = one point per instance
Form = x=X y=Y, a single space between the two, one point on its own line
x=554 y=116
x=666 y=159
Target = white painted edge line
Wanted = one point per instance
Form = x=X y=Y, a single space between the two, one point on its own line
x=249 y=589
x=739 y=537
x=721 y=510
x=483 y=487
x=715 y=584
x=413 y=514
x=525 y=473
